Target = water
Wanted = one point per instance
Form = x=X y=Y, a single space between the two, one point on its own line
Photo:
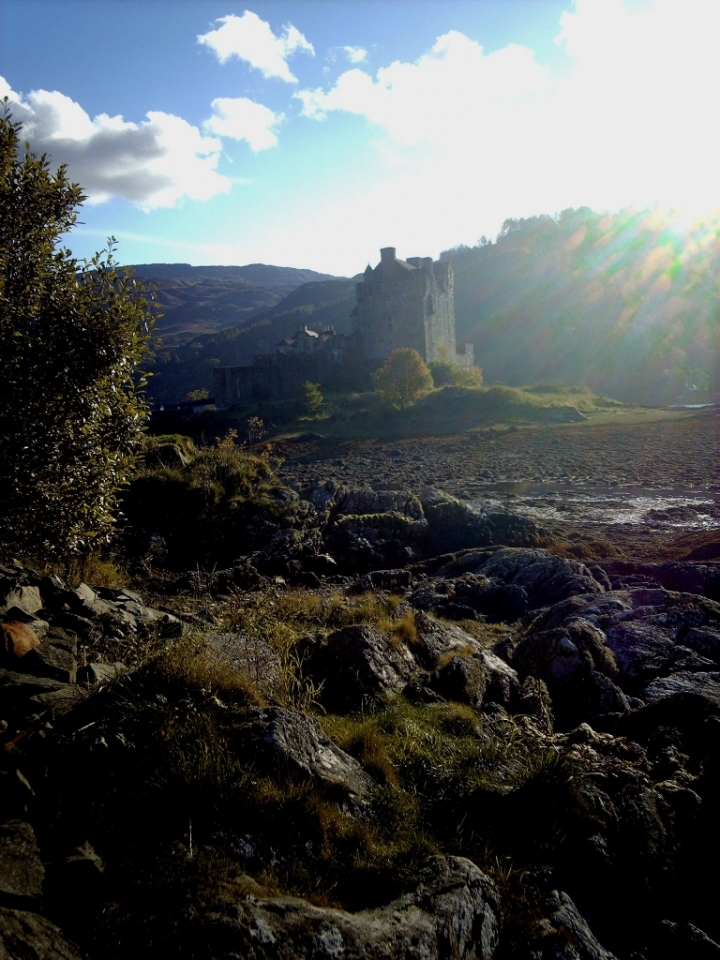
x=686 y=509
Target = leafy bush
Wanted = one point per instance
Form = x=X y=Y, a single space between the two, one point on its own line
x=199 y=512
x=72 y=334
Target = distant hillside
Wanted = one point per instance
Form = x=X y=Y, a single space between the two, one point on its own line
x=625 y=304
x=187 y=366
x=199 y=300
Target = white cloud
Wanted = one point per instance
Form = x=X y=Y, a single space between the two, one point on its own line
x=447 y=92
x=243 y=119
x=355 y=54
x=628 y=120
x=154 y=163
x=251 y=39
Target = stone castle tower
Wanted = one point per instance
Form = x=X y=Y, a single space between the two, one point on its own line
x=407 y=303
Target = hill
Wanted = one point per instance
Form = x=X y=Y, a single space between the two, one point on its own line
x=187 y=366
x=201 y=300
x=624 y=304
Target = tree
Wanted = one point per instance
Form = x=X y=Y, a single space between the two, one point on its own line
x=403 y=379
x=311 y=399
x=72 y=335
x=445 y=373
x=197 y=396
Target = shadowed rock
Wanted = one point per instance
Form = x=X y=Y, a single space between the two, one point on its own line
x=290 y=743
x=452 y=914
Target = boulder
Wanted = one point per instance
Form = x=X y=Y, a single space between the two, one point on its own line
x=453 y=914
x=545 y=578
x=578 y=668
x=374 y=541
x=685 y=940
x=95 y=674
x=21 y=869
x=23 y=694
x=358 y=666
x=52 y=660
x=16 y=641
x=565 y=934
x=27 y=936
x=455 y=525
x=15 y=594
x=292 y=744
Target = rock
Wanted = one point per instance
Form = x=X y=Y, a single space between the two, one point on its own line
x=705 y=686
x=23 y=696
x=368 y=501
x=292 y=744
x=358 y=666
x=21 y=870
x=687 y=941
x=436 y=641
x=546 y=579
x=376 y=541
x=476 y=678
x=455 y=525
x=463 y=679
x=453 y=914
x=577 y=666
x=50 y=660
x=565 y=934
x=97 y=673
x=27 y=936
x=255 y=658
x=466 y=596
x=13 y=594
x=321 y=495
x=16 y=640
x=395 y=581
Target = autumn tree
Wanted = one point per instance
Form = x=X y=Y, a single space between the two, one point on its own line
x=403 y=378
x=311 y=399
x=73 y=334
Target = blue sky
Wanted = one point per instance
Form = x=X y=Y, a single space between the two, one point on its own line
x=311 y=133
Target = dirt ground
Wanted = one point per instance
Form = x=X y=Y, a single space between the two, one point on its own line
x=631 y=487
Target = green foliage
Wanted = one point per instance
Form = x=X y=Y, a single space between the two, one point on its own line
x=311 y=399
x=445 y=373
x=195 y=396
x=403 y=379
x=199 y=511
x=72 y=334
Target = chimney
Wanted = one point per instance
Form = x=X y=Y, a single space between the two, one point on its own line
x=387 y=254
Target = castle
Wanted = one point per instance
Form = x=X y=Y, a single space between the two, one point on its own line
x=400 y=303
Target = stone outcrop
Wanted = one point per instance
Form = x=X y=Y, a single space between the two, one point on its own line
x=453 y=914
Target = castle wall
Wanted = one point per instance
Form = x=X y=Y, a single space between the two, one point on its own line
x=275 y=377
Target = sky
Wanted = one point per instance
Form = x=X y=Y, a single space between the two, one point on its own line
x=310 y=133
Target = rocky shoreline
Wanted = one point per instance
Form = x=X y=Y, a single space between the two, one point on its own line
x=397 y=726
